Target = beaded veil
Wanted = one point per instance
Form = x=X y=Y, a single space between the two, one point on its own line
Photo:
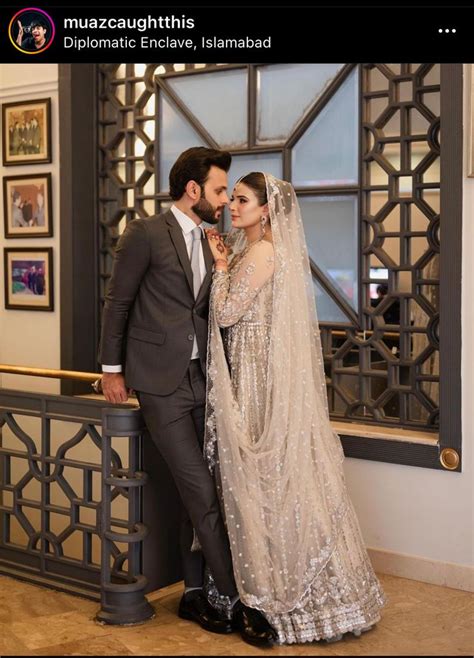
x=283 y=491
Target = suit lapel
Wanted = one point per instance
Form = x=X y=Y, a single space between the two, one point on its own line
x=177 y=237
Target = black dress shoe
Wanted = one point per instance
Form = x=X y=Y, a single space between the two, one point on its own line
x=253 y=626
x=195 y=607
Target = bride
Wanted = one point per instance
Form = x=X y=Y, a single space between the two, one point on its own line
x=297 y=549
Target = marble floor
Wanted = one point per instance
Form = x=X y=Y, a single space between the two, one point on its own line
x=419 y=620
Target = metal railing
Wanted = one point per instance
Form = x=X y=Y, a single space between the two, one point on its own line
x=54 y=493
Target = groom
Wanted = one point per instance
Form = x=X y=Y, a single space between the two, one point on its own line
x=154 y=340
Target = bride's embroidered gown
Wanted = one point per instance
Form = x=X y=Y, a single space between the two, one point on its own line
x=343 y=593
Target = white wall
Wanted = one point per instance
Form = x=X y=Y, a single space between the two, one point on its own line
x=31 y=338
x=418 y=511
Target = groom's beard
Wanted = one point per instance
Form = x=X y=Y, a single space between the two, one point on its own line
x=206 y=211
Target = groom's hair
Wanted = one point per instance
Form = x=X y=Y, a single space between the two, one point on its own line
x=194 y=164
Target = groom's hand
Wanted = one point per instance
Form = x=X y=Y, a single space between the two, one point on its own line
x=113 y=386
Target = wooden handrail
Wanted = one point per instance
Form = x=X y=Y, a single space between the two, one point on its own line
x=49 y=372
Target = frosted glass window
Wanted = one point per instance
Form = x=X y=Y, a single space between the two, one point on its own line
x=327 y=153
x=243 y=164
x=176 y=135
x=330 y=224
x=284 y=94
x=326 y=307
x=219 y=102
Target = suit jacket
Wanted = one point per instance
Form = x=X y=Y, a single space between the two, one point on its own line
x=150 y=315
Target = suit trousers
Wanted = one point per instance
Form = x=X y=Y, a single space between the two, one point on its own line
x=175 y=423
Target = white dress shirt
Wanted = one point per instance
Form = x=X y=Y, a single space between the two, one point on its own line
x=187 y=225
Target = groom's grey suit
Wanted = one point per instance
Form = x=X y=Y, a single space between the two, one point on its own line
x=150 y=320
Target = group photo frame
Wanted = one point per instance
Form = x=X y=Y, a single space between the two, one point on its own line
x=26 y=132
x=29 y=278
x=27 y=206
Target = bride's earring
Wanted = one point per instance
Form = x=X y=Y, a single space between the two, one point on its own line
x=263 y=221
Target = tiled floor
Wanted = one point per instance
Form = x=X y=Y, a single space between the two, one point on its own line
x=419 y=620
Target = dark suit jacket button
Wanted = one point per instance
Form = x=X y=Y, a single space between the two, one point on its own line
x=190 y=337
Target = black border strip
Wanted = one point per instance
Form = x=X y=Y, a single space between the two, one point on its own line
x=78 y=221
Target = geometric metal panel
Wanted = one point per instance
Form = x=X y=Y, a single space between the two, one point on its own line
x=384 y=369
x=77 y=511
x=400 y=241
x=52 y=492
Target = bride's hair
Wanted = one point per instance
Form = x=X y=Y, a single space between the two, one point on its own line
x=256 y=181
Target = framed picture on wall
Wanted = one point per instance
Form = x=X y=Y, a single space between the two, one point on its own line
x=27 y=206
x=29 y=279
x=26 y=127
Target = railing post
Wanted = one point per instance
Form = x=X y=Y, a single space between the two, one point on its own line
x=123 y=598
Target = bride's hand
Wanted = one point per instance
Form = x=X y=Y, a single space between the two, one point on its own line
x=216 y=243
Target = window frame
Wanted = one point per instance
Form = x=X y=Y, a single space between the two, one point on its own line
x=80 y=318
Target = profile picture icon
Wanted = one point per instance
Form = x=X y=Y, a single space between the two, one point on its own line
x=31 y=30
